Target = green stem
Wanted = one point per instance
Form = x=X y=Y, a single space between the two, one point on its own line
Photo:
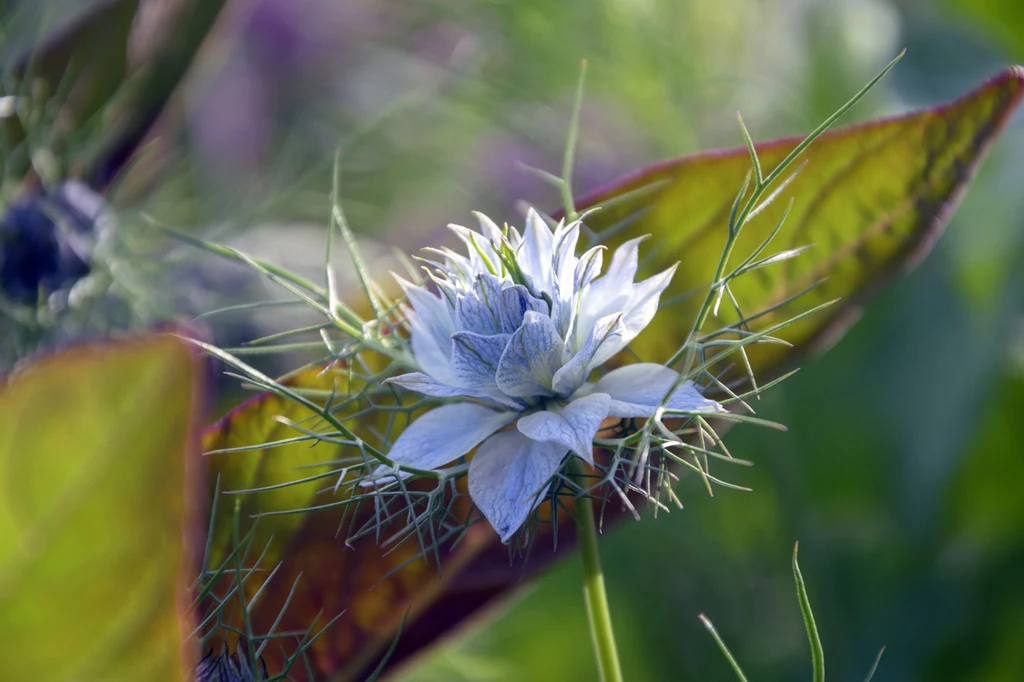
x=598 y=613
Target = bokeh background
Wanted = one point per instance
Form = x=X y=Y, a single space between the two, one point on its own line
x=902 y=472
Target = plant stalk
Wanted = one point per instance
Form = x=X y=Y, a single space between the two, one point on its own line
x=601 y=634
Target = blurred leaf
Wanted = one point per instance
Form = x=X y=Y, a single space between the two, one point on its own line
x=87 y=57
x=1003 y=19
x=81 y=66
x=93 y=445
x=112 y=70
x=171 y=45
x=870 y=202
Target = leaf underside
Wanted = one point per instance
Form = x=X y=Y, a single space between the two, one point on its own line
x=870 y=202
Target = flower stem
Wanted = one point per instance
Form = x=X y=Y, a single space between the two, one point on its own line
x=598 y=613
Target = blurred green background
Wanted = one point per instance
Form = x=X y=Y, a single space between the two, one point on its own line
x=902 y=471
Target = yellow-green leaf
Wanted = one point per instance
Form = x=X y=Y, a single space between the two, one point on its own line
x=869 y=202
x=93 y=444
x=252 y=448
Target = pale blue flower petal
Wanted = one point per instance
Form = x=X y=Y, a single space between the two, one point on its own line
x=638 y=313
x=532 y=357
x=475 y=358
x=637 y=391
x=588 y=268
x=507 y=478
x=446 y=433
x=431 y=329
x=477 y=310
x=421 y=383
x=608 y=332
x=623 y=267
x=537 y=252
x=609 y=293
x=488 y=227
x=563 y=293
x=516 y=300
x=643 y=301
x=482 y=257
x=572 y=426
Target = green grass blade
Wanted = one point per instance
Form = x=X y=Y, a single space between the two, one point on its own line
x=817 y=654
x=725 y=650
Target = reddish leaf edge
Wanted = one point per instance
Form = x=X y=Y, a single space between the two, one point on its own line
x=848 y=311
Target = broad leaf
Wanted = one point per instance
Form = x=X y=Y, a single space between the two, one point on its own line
x=870 y=202
x=93 y=445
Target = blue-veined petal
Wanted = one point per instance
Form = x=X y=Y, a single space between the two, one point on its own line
x=477 y=310
x=507 y=478
x=421 y=383
x=564 y=293
x=514 y=302
x=532 y=357
x=606 y=339
x=475 y=358
x=572 y=426
x=637 y=391
x=446 y=433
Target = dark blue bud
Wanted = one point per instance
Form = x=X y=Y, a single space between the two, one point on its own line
x=44 y=240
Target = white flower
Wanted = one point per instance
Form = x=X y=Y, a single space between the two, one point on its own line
x=518 y=326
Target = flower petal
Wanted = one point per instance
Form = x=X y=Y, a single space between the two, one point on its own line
x=531 y=358
x=432 y=327
x=609 y=293
x=638 y=390
x=421 y=383
x=514 y=302
x=572 y=426
x=488 y=227
x=643 y=304
x=563 y=276
x=477 y=310
x=482 y=257
x=537 y=251
x=507 y=476
x=475 y=358
x=445 y=434
x=607 y=336
x=623 y=267
x=588 y=267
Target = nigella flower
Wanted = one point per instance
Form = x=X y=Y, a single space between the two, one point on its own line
x=517 y=327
